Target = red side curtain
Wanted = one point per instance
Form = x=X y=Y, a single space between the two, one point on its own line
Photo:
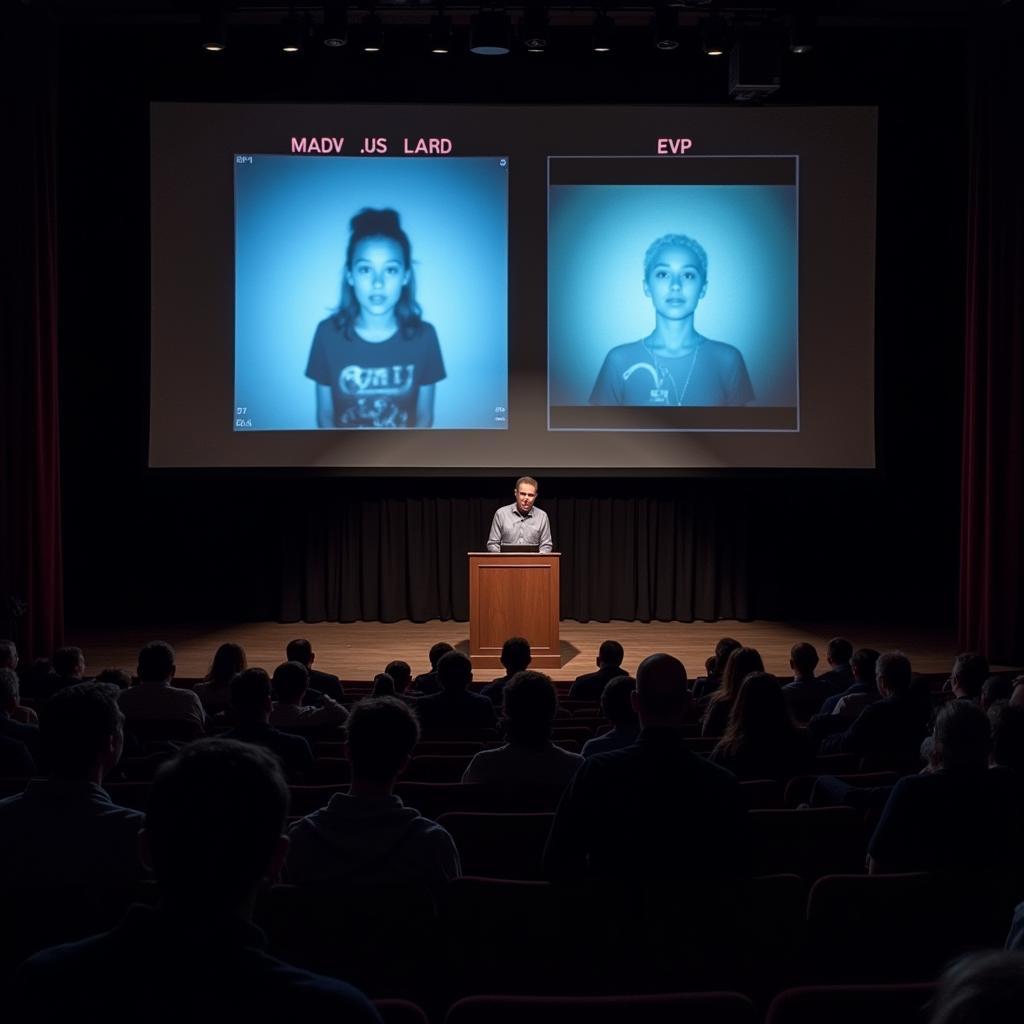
x=30 y=524
x=991 y=605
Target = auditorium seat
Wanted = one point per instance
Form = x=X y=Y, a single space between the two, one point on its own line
x=852 y=1004
x=454 y=748
x=436 y=768
x=798 y=790
x=328 y=771
x=571 y=732
x=129 y=794
x=675 y=1008
x=307 y=799
x=173 y=730
x=808 y=842
x=836 y=764
x=500 y=845
x=898 y=928
x=899 y=764
x=762 y=794
x=433 y=799
x=400 y=1011
x=328 y=748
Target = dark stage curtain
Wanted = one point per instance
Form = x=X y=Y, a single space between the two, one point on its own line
x=667 y=557
x=30 y=551
x=991 y=605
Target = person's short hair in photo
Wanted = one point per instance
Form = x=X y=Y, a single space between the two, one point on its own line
x=529 y=481
x=10 y=688
x=8 y=654
x=963 y=735
x=76 y=726
x=616 y=704
x=893 y=670
x=382 y=733
x=68 y=660
x=516 y=655
x=454 y=671
x=156 y=662
x=995 y=689
x=300 y=650
x=383 y=685
x=289 y=682
x=863 y=663
x=250 y=693
x=529 y=704
x=437 y=652
x=803 y=657
x=970 y=670
x=610 y=653
x=839 y=651
x=661 y=688
x=119 y=677
x=401 y=674
x=981 y=988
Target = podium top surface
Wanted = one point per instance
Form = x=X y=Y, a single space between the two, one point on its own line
x=515 y=554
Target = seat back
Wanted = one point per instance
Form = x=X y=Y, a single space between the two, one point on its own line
x=500 y=845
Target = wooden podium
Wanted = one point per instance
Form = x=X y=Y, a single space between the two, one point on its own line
x=513 y=595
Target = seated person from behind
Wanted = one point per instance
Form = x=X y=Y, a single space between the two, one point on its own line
x=65 y=829
x=401 y=676
x=968 y=676
x=213 y=835
x=805 y=694
x=740 y=663
x=617 y=707
x=515 y=657
x=609 y=665
x=9 y=659
x=674 y=364
x=964 y=817
x=68 y=668
x=455 y=708
x=289 y=683
x=319 y=682
x=154 y=698
x=653 y=810
x=251 y=705
x=761 y=740
x=426 y=682
x=367 y=835
x=996 y=690
x=861 y=692
x=839 y=674
x=10 y=727
x=383 y=685
x=215 y=689
x=715 y=667
x=528 y=757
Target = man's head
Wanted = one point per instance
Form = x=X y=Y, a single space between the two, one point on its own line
x=289 y=683
x=8 y=654
x=803 y=659
x=382 y=733
x=863 y=665
x=69 y=662
x=529 y=703
x=300 y=651
x=893 y=674
x=980 y=987
x=516 y=655
x=963 y=735
x=839 y=651
x=10 y=690
x=723 y=649
x=526 y=493
x=970 y=671
x=437 y=652
x=454 y=672
x=214 y=823
x=118 y=677
x=81 y=731
x=610 y=654
x=616 y=704
x=1007 y=724
x=401 y=673
x=156 y=663
x=250 y=696
x=661 y=697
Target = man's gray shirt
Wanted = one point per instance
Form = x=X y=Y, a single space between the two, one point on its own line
x=510 y=526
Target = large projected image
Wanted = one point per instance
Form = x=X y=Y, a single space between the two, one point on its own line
x=672 y=294
x=353 y=302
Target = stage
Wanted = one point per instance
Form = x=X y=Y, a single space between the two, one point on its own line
x=357 y=650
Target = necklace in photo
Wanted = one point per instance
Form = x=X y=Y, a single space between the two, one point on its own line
x=667 y=377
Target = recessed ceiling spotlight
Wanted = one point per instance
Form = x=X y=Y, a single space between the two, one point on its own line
x=666 y=28
x=335 y=31
x=490 y=34
x=373 y=33
x=212 y=30
x=440 y=33
x=603 y=34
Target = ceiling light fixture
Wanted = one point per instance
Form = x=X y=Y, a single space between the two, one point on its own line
x=490 y=34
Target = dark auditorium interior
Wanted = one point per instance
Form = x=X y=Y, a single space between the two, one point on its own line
x=821 y=819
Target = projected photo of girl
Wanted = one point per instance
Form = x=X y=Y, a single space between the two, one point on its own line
x=674 y=364
x=375 y=361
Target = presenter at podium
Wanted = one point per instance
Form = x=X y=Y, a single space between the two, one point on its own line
x=521 y=524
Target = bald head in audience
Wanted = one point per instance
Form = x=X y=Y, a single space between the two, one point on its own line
x=661 y=697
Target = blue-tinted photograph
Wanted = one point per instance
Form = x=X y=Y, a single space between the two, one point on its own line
x=371 y=293
x=672 y=296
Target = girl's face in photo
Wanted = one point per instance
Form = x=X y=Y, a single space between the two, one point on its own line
x=377 y=275
x=674 y=282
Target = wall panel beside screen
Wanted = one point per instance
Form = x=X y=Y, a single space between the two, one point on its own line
x=481 y=289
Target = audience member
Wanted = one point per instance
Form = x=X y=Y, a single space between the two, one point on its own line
x=740 y=663
x=839 y=675
x=250 y=707
x=861 y=692
x=964 y=817
x=981 y=988
x=968 y=676
x=65 y=829
x=894 y=725
x=703 y=688
x=367 y=835
x=454 y=708
x=653 y=809
x=213 y=833
x=154 y=698
x=1007 y=724
x=515 y=657
x=383 y=685
x=427 y=683
x=319 y=682
x=9 y=659
x=16 y=761
x=1017 y=693
x=762 y=741
x=805 y=694
x=10 y=727
x=215 y=689
x=401 y=675
x=290 y=682
x=995 y=690
x=617 y=707
x=116 y=677
x=609 y=666
x=67 y=669
x=8 y=654
x=528 y=757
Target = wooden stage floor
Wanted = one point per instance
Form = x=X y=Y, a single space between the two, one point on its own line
x=358 y=650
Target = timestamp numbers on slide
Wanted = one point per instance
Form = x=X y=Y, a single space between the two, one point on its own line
x=500 y=414
x=243 y=421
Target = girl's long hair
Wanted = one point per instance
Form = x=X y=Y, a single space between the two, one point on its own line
x=386 y=223
x=760 y=718
x=742 y=661
x=227 y=662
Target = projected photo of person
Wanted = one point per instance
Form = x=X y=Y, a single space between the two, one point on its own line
x=360 y=304
x=674 y=364
x=672 y=306
x=375 y=362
